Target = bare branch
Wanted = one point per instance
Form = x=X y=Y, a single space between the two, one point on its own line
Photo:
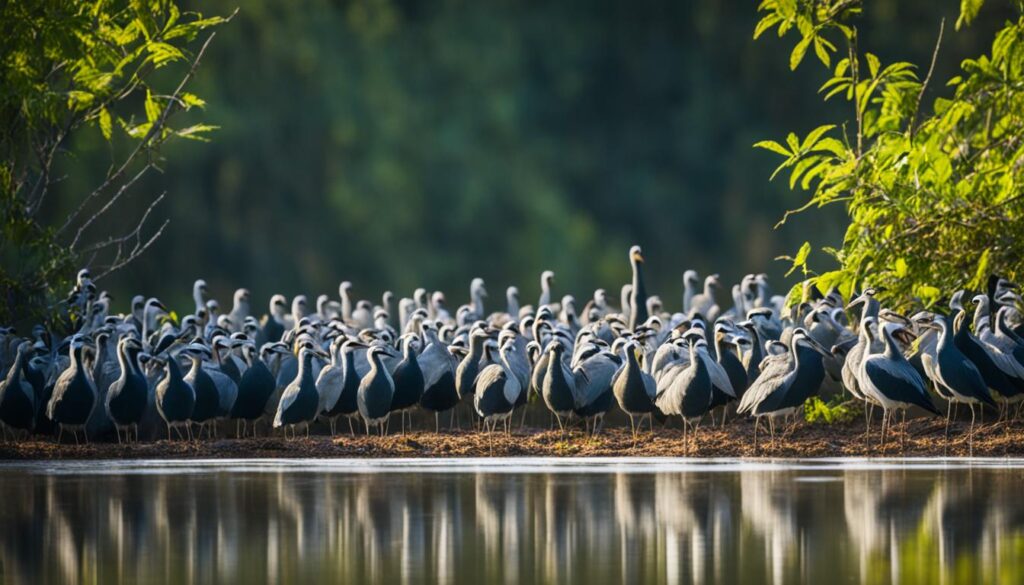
x=110 y=203
x=927 y=78
x=122 y=258
x=114 y=240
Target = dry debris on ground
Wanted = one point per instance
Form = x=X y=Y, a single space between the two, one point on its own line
x=919 y=438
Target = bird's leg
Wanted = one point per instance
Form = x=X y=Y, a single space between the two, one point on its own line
x=724 y=412
x=437 y=422
x=307 y=429
x=970 y=437
x=949 y=410
x=757 y=423
x=903 y=434
x=686 y=443
x=117 y=429
x=522 y=421
x=451 y=422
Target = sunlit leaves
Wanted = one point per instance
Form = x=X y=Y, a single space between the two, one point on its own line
x=934 y=196
x=106 y=125
x=968 y=11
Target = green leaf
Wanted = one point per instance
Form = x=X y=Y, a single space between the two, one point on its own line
x=798 y=52
x=766 y=23
x=822 y=52
x=772 y=146
x=873 y=64
x=152 y=108
x=197 y=132
x=106 y=124
x=901 y=267
x=981 y=272
x=192 y=100
x=814 y=135
x=968 y=11
x=801 y=259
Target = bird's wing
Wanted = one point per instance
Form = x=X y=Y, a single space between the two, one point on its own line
x=593 y=378
x=719 y=377
x=773 y=373
x=897 y=381
x=287 y=398
x=649 y=386
x=435 y=361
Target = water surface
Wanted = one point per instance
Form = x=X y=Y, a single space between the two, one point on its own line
x=513 y=521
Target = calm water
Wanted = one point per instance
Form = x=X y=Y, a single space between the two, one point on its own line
x=512 y=521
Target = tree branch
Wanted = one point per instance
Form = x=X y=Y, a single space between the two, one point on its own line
x=121 y=258
x=927 y=78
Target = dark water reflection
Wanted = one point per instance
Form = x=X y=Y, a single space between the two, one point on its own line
x=757 y=525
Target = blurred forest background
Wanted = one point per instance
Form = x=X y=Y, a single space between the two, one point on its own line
x=399 y=144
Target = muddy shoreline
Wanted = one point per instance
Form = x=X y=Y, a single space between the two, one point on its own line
x=920 y=438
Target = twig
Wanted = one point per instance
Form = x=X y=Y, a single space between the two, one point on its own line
x=110 y=203
x=120 y=259
x=927 y=78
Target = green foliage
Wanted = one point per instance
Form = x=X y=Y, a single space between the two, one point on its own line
x=68 y=68
x=836 y=410
x=934 y=199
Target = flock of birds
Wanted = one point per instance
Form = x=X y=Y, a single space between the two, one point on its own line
x=143 y=372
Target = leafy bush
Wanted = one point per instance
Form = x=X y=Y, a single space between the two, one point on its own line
x=836 y=410
x=935 y=199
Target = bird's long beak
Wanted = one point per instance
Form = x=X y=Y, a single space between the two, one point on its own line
x=817 y=346
x=638 y=257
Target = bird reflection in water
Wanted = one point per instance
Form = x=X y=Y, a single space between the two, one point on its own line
x=779 y=526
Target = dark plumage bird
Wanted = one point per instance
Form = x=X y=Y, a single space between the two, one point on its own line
x=128 y=395
x=957 y=378
x=889 y=379
x=255 y=388
x=593 y=385
x=634 y=389
x=438 y=366
x=376 y=391
x=17 y=396
x=300 y=401
x=638 y=292
x=497 y=390
x=175 y=399
x=469 y=367
x=74 y=394
x=207 y=398
x=345 y=376
x=408 y=380
x=785 y=382
x=688 y=393
x=558 y=387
